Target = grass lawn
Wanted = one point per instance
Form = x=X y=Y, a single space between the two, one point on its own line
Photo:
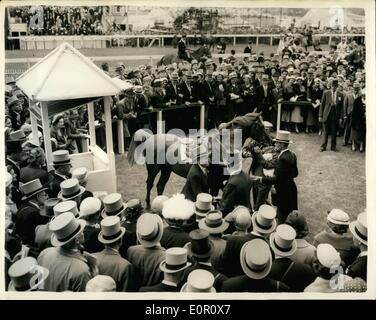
x=326 y=180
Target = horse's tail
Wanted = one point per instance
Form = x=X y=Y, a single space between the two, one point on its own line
x=138 y=138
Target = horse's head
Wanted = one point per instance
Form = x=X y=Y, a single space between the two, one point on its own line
x=252 y=126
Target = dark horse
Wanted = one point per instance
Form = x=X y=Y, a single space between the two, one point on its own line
x=201 y=52
x=160 y=146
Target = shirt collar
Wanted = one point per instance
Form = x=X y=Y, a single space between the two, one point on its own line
x=205 y=264
x=169 y=283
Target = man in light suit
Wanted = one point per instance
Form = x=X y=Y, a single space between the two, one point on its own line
x=330 y=110
x=109 y=261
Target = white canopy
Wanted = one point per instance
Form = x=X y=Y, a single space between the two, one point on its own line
x=66 y=74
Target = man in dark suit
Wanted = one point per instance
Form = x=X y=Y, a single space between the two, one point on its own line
x=60 y=174
x=294 y=274
x=173 y=267
x=265 y=99
x=236 y=191
x=330 y=110
x=286 y=170
x=197 y=182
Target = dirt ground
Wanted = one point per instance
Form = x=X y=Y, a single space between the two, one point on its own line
x=326 y=180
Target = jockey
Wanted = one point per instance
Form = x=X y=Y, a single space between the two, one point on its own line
x=182 y=49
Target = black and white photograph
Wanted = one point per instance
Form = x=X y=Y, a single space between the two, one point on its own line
x=190 y=148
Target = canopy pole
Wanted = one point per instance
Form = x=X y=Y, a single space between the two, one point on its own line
x=34 y=124
x=109 y=142
x=46 y=135
x=90 y=111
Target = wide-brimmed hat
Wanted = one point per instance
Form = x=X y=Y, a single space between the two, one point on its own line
x=111 y=230
x=203 y=204
x=26 y=275
x=176 y=260
x=337 y=216
x=359 y=228
x=66 y=206
x=48 y=209
x=157 y=204
x=70 y=189
x=200 y=246
x=264 y=220
x=60 y=158
x=31 y=188
x=149 y=229
x=283 y=136
x=65 y=228
x=282 y=241
x=90 y=206
x=18 y=135
x=256 y=259
x=214 y=222
x=113 y=205
x=199 y=281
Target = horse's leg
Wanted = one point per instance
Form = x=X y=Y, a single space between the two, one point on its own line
x=165 y=175
x=152 y=170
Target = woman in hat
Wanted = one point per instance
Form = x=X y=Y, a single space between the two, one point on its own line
x=59 y=135
x=301 y=95
x=358 y=122
x=36 y=161
x=288 y=93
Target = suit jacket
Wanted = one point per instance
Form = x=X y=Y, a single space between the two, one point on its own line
x=229 y=261
x=160 y=287
x=298 y=277
x=173 y=93
x=263 y=101
x=174 y=237
x=236 y=192
x=146 y=262
x=348 y=105
x=327 y=103
x=283 y=180
x=196 y=182
x=188 y=95
x=69 y=270
x=110 y=263
x=246 y=284
x=358 y=268
x=207 y=92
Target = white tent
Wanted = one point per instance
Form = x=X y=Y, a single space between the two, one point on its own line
x=60 y=81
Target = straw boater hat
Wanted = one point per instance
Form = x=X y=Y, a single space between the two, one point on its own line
x=263 y=220
x=65 y=228
x=256 y=259
x=101 y=283
x=337 y=216
x=176 y=260
x=60 y=158
x=359 y=228
x=48 y=209
x=282 y=241
x=113 y=205
x=149 y=230
x=31 y=188
x=283 y=136
x=203 y=204
x=199 y=281
x=24 y=273
x=200 y=246
x=66 y=206
x=111 y=231
x=90 y=206
x=157 y=204
x=214 y=223
x=70 y=189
